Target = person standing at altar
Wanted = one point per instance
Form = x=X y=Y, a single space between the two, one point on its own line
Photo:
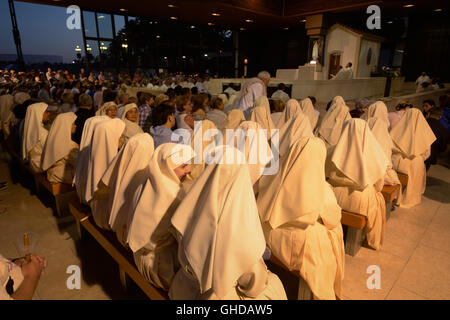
x=251 y=91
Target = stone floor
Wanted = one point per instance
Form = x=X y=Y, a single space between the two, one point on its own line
x=414 y=260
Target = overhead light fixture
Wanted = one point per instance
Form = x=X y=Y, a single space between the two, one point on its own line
x=192 y=27
x=123 y=10
x=101 y=17
x=171 y=6
x=242 y=29
x=184 y=57
x=437 y=10
x=150 y=22
x=286 y=28
x=408 y=5
x=215 y=14
x=165 y=58
x=389 y=22
x=249 y=20
x=173 y=18
x=210 y=24
x=157 y=37
x=205 y=54
x=303 y=20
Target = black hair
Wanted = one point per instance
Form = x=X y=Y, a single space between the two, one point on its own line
x=161 y=113
x=430 y=102
x=109 y=96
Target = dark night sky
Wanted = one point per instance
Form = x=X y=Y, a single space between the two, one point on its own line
x=42 y=29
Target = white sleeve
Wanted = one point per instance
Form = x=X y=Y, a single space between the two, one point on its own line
x=257 y=91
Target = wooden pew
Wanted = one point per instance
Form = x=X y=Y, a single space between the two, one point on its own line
x=61 y=192
x=390 y=194
x=121 y=255
x=403 y=179
x=356 y=224
x=289 y=277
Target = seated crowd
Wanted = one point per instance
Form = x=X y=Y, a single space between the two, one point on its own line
x=156 y=171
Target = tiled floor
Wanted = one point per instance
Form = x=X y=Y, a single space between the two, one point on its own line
x=414 y=260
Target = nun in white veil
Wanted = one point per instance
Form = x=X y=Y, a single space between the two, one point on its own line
x=150 y=236
x=412 y=137
x=308 y=109
x=82 y=160
x=106 y=141
x=35 y=135
x=125 y=178
x=216 y=262
x=301 y=218
x=60 y=151
x=356 y=171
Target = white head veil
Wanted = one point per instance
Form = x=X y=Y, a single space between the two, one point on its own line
x=211 y=225
x=34 y=130
x=59 y=140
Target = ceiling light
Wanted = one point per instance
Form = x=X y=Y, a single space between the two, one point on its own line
x=286 y=28
x=303 y=20
x=216 y=14
x=184 y=57
x=408 y=5
x=101 y=17
x=165 y=58
x=171 y=6
x=242 y=29
x=210 y=24
x=389 y=22
x=192 y=27
x=437 y=10
x=123 y=10
x=249 y=20
x=157 y=37
x=173 y=18
x=205 y=54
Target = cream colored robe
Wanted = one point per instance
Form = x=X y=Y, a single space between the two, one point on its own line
x=63 y=170
x=59 y=154
x=331 y=126
x=234 y=118
x=215 y=261
x=150 y=236
x=357 y=169
x=380 y=130
x=308 y=109
x=125 y=178
x=34 y=135
x=301 y=219
x=262 y=116
x=6 y=105
x=412 y=138
x=82 y=160
x=104 y=147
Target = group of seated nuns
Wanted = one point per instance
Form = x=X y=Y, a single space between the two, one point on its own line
x=199 y=225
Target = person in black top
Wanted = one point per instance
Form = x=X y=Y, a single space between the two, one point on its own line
x=441 y=133
x=85 y=111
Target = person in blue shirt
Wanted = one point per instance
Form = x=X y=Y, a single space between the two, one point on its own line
x=163 y=120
